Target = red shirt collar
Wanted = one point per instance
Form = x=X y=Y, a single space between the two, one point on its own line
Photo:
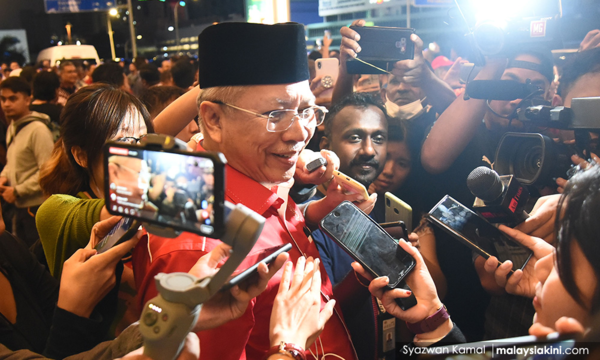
x=241 y=189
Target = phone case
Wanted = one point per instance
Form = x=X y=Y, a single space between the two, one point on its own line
x=382 y=47
x=350 y=184
x=398 y=210
x=347 y=225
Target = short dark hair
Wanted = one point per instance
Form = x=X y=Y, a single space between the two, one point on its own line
x=580 y=206
x=45 y=84
x=158 y=96
x=110 y=73
x=27 y=73
x=585 y=62
x=183 y=73
x=359 y=100
x=396 y=133
x=150 y=74
x=16 y=85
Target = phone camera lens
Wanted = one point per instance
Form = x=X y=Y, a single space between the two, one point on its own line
x=336 y=214
x=319 y=65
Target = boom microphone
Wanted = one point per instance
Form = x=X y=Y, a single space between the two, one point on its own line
x=500 y=199
x=506 y=90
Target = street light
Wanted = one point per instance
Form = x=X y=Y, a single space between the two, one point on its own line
x=112 y=12
x=177 y=4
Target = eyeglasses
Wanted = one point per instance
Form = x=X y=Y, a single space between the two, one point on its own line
x=281 y=120
x=130 y=139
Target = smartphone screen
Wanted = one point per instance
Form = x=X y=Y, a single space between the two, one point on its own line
x=180 y=190
x=477 y=233
x=115 y=234
x=367 y=243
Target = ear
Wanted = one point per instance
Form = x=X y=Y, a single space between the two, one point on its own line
x=557 y=100
x=382 y=94
x=212 y=121
x=324 y=143
x=80 y=156
x=113 y=171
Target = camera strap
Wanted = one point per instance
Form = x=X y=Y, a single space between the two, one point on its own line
x=528 y=65
x=373 y=66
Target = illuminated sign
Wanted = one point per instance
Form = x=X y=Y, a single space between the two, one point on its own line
x=267 y=11
x=336 y=7
x=74 y=6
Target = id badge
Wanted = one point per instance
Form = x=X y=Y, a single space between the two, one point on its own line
x=386 y=324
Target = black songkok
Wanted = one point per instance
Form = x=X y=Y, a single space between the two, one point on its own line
x=231 y=54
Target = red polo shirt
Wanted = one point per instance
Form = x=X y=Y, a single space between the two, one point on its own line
x=248 y=336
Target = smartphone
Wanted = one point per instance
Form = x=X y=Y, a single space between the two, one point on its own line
x=366 y=242
x=123 y=231
x=252 y=270
x=382 y=47
x=398 y=210
x=316 y=164
x=477 y=233
x=175 y=189
x=328 y=69
x=350 y=185
x=396 y=229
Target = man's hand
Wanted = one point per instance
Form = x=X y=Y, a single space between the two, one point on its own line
x=190 y=351
x=8 y=193
x=413 y=72
x=349 y=47
x=521 y=282
x=452 y=77
x=420 y=282
x=86 y=277
x=3 y=180
x=591 y=40
x=297 y=317
x=321 y=175
x=540 y=222
x=317 y=88
x=577 y=161
x=229 y=305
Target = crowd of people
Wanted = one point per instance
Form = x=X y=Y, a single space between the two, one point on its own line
x=409 y=131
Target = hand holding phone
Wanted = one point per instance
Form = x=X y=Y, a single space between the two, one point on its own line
x=422 y=290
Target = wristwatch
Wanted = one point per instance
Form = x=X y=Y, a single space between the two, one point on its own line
x=430 y=323
x=292 y=351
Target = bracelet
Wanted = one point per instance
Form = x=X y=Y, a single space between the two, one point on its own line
x=359 y=280
x=430 y=323
x=292 y=351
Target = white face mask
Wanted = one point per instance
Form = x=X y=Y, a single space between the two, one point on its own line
x=404 y=112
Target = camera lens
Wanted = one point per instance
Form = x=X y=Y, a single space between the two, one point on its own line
x=336 y=214
x=319 y=65
x=528 y=160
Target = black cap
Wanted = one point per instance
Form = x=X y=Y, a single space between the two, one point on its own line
x=231 y=54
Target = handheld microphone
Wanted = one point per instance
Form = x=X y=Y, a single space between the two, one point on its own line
x=505 y=90
x=500 y=199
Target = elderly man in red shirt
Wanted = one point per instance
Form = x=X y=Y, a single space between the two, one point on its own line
x=256 y=107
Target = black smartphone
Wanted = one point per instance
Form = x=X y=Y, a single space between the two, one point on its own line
x=477 y=233
x=382 y=47
x=252 y=270
x=123 y=231
x=366 y=242
x=172 y=188
x=315 y=164
x=396 y=229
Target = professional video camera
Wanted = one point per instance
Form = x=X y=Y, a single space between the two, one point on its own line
x=535 y=159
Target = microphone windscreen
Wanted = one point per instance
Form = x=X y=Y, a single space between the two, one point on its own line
x=498 y=90
x=485 y=184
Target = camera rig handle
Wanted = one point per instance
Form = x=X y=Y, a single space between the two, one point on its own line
x=171 y=315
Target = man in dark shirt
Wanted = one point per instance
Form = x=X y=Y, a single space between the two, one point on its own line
x=45 y=93
x=356 y=131
x=68 y=81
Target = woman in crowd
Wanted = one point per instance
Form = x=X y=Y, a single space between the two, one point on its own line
x=74 y=176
